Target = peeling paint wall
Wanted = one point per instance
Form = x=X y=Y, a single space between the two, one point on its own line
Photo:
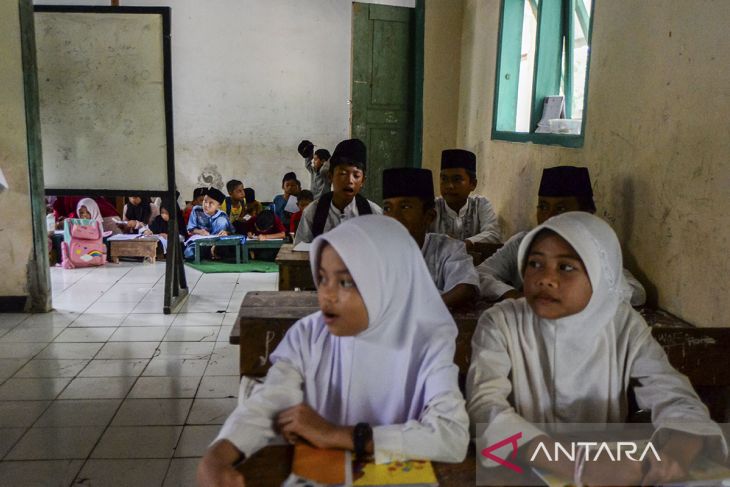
x=442 y=54
x=16 y=232
x=656 y=143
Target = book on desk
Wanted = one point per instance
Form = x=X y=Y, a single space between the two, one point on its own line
x=314 y=467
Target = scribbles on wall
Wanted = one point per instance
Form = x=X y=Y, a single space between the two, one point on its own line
x=210 y=176
x=102 y=107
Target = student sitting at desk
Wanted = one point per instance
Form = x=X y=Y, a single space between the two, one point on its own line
x=198 y=194
x=291 y=186
x=235 y=203
x=88 y=209
x=562 y=189
x=409 y=198
x=305 y=199
x=67 y=206
x=371 y=372
x=266 y=226
x=208 y=219
x=347 y=169
x=566 y=352
x=138 y=213
x=459 y=215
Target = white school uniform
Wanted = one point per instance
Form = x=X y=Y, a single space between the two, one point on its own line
x=576 y=369
x=398 y=374
x=448 y=262
x=499 y=274
x=475 y=221
x=334 y=218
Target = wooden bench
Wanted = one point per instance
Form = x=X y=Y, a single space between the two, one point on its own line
x=294 y=270
x=699 y=353
x=139 y=247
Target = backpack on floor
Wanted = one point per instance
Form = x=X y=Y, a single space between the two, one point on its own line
x=82 y=243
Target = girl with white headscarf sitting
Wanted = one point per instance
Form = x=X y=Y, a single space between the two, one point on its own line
x=371 y=372
x=88 y=209
x=565 y=353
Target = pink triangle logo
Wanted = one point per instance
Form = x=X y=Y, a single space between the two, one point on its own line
x=487 y=452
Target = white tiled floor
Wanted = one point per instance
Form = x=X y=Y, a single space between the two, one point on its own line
x=107 y=390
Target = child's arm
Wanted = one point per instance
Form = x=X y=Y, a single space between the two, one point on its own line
x=440 y=434
x=489 y=387
x=250 y=427
x=459 y=278
x=676 y=410
x=460 y=295
x=216 y=468
x=488 y=225
x=499 y=270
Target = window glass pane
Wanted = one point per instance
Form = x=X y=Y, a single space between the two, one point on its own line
x=527 y=66
x=580 y=55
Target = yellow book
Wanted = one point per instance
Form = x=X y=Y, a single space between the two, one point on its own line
x=411 y=473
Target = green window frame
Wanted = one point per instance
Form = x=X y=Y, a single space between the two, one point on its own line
x=552 y=69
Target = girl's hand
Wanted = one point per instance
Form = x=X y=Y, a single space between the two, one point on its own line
x=216 y=467
x=222 y=233
x=606 y=472
x=262 y=237
x=303 y=421
x=668 y=470
x=201 y=231
x=147 y=232
x=132 y=224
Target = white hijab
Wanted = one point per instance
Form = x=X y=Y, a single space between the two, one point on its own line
x=389 y=372
x=91 y=207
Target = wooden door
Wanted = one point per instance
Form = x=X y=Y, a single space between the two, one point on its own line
x=383 y=88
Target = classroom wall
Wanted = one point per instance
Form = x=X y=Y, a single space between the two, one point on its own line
x=442 y=55
x=251 y=78
x=16 y=232
x=656 y=143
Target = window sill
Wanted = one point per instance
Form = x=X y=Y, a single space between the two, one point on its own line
x=572 y=141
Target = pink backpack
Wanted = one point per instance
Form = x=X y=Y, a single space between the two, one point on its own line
x=82 y=244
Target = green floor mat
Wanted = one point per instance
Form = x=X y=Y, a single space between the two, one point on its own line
x=209 y=267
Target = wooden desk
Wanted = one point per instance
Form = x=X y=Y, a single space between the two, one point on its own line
x=294 y=270
x=699 y=353
x=218 y=242
x=265 y=316
x=139 y=247
x=256 y=244
x=272 y=465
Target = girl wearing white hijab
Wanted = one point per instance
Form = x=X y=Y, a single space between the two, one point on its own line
x=88 y=208
x=566 y=352
x=378 y=355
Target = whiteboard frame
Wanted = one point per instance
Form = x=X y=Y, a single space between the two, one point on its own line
x=164 y=13
x=176 y=289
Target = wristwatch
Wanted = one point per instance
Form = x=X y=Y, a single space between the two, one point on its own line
x=361 y=435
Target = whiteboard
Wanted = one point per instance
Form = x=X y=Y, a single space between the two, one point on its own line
x=101 y=78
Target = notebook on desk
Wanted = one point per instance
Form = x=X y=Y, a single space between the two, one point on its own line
x=316 y=467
